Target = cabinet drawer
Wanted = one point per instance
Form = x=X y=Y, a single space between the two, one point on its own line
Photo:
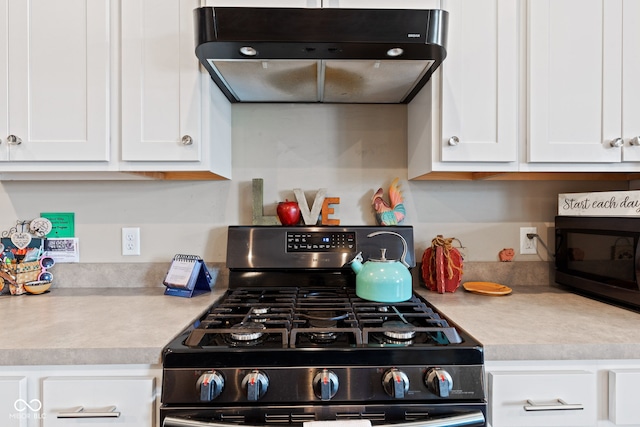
x=106 y=401
x=623 y=399
x=533 y=398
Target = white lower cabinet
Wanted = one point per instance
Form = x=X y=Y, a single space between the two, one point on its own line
x=624 y=405
x=571 y=393
x=13 y=401
x=80 y=396
x=98 y=401
x=534 y=398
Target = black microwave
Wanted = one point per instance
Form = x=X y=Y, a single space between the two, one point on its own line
x=599 y=257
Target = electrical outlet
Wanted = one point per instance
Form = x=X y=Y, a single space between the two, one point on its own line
x=131 y=241
x=528 y=246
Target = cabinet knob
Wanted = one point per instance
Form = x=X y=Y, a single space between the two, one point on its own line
x=635 y=140
x=618 y=142
x=187 y=140
x=454 y=140
x=13 y=140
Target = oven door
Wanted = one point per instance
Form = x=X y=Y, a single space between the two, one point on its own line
x=446 y=415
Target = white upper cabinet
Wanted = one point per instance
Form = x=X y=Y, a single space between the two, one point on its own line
x=630 y=81
x=161 y=96
x=480 y=82
x=4 y=76
x=54 y=100
x=466 y=118
x=582 y=77
x=173 y=118
x=262 y=3
x=383 y=4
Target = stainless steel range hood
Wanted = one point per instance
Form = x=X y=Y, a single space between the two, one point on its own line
x=380 y=56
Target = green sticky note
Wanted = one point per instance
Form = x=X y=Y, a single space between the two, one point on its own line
x=63 y=223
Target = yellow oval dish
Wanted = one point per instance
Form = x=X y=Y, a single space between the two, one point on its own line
x=38 y=287
x=486 y=288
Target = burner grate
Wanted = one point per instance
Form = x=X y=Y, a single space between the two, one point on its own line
x=306 y=317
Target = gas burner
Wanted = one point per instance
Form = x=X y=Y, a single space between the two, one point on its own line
x=398 y=330
x=323 y=337
x=260 y=310
x=244 y=333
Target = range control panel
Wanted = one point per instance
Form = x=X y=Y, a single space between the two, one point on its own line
x=320 y=241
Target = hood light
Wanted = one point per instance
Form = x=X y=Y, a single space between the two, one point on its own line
x=396 y=51
x=248 y=51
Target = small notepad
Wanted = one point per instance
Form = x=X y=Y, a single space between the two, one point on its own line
x=187 y=276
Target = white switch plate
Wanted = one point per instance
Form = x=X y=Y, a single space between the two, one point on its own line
x=528 y=246
x=131 y=241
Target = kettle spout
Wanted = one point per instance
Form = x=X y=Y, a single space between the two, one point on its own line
x=356 y=263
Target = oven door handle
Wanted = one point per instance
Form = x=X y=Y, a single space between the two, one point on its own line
x=470 y=419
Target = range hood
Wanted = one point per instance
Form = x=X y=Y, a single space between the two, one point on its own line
x=307 y=55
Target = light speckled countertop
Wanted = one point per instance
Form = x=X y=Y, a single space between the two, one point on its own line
x=543 y=323
x=94 y=326
x=131 y=325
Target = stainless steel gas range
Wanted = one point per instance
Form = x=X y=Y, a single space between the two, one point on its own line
x=290 y=342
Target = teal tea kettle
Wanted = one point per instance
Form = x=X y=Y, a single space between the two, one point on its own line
x=383 y=280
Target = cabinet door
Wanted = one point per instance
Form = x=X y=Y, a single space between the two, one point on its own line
x=559 y=398
x=161 y=91
x=58 y=79
x=574 y=92
x=15 y=408
x=630 y=81
x=4 y=75
x=98 y=401
x=384 y=4
x=480 y=82
x=623 y=401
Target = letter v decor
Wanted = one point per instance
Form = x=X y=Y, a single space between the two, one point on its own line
x=310 y=217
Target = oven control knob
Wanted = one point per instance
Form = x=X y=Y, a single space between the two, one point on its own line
x=210 y=385
x=325 y=384
x=395 y=383
x=439 y=382
x=256 y=384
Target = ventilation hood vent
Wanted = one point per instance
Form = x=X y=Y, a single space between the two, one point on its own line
x=379 y=56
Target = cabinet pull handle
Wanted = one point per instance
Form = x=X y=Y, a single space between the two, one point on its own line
x=635 y=140
x=13 y=140
x=618 y=142
x=79 y=412
x=454 y=140
x=560 y=406
x=187 y=140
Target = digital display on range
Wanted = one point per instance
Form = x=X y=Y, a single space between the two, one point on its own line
x=321 y=241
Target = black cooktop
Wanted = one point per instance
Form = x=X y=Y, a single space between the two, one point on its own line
x=271 y=325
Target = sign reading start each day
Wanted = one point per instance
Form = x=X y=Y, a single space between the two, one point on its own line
x=605 y=203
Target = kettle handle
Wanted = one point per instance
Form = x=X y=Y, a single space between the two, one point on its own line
x=404 y=244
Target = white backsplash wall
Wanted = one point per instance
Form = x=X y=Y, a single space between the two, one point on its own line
x=350 y=150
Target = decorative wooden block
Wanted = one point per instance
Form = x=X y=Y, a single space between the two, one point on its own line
x=310 y=217
x=258 y=212
x=326 y=211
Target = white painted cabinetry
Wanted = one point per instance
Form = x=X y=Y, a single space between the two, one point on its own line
x=542 y=398
x=466 y=118
x=606 y=390
x=582 y=75
x=173 y=118
x=55 y=81
x=14 y=405
x=98 y=401
x=109 y=395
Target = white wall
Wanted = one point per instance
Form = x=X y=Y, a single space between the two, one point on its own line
x=350 y=150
